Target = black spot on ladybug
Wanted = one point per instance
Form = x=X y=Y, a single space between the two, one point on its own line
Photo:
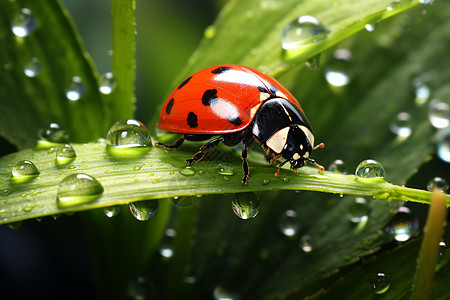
x=192 y=120
x=263 y=89
x=236 y=121
x=184 y=82
x=208 y=96
x=220 y=70
x=169 y=106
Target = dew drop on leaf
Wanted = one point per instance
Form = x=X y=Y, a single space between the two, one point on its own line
x=24 y=168
x=358 y=210
x=245 y=205
x=370 y=168
x=289 y=223
x=303 y=31
x=75 y=89
x=380 y=283
x=403 y=225
x=401 y=126
x=23 y=23
x=144 y=210
x=53 y=133
x=78 y=189
x=128 y=134
x=337 y=70
x=439 y=183
x=112 y=211
x=107 y=83
x=32 y=68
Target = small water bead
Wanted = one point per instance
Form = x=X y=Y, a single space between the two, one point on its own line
x=380 y=283
x=403 y=225
x=166 y=246
x=442 y=249
x=289 y=223
x=337 y=70
x=65 y=154
x=144 y=210
x=422 y=93
x=78 y=189
x=107 y=83
x=111 y=211
x=370 y=168
x=184 y=201
x=226 y=170
x=32 y=68
x=439 y=183
x=303 y=31
x=187 y=171
x=305 y=244
x=371 y=27
x=245 y=205
x=358 y=210
x=426 y=2
x=53 y=133
x=25 y=169
x=443 y=147
x=402 y=125
x=128 y=134
x=338 y=166
x=210 y=32
x=439 y=113
x=316 y=61
x=23 y=23
x=76 y=89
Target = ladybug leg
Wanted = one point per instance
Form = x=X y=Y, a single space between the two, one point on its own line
x=275 y=159
x=209 y=146
x=245 y=167
x=174 y=146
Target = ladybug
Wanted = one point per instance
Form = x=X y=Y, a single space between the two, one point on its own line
x=236 y=104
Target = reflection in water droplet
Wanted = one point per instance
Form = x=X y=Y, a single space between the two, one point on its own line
x=128 y=134
x=289 y=223
x=316 y=61
x=439 y=183
x=32 y=68
x=25 y=168
x=53 y=133
x=358 y=210
x=65 y=154
x=144 y=210
x=403 y=225
x=443 y=147
x=402 y=125
x=76 y=89
x=380 y=283
x=78 y=189
x=337 y=70
x=370 y=168
x=166 y=246
x=112 y=211
x=23 y=23
x=305 y=244
x=245 y=205
x=107 y=83
x=303 y=31
x=187 y=171
x=439 y=114
x=338 y=166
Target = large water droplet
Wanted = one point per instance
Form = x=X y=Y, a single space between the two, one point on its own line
x=338 y=166
x=245 y=205
x=128 y=134
x=65 y=154
x=78 y=189
x=23 y=23
x=401 y=125
x=24 y=169
x=144 y=210
x=53 y=133
x=337 y=70
x=303 y=31
x=289 y=223
x=403 y=225
x=443 y=147
x=107 y=83
x=112 y=211
x=76 y=89
x=305 y=244
x=380 y=283
x=370 y=168
x=439 y=114
x=166 y=246
x=439 y=183
x=187 y=171
x=358 y=210
x=32 y=68
x=223 y=169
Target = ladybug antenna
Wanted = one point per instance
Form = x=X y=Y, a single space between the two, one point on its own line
x=321 y=168
x=279 y=167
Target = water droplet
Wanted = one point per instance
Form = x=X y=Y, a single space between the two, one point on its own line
x=439 y=114
x=128 y=134
x=358 y=210
x=422 y=91
x=338 y=166
x=32 y=68
x=403 y=225
x=165 y=248
x=370 y=168
x=140 y=289
x=144 y=210
x=25 y=169
x=303 y=31
x=289 y=223
x=442 y=249
x=78 y=189
x=23 y=23
x=402 y=125
x=443 y=147
x=221 y=293
x=53 y=133
x=226 y=170
x=187 y=171
x=439 y=183
x=371 y=27
x=316 y=61
x=185 y=201
x=380 y=283
x=305 y=244
x=265 y=181
x=15 y=225
x=107 y=83
x=210 y=32
x=76 y=89
x=65 y=154
x=112 y=211
x=245 y=205
x=426 y=2
x=337 y=70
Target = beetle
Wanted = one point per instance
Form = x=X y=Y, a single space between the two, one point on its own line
x=235 y=104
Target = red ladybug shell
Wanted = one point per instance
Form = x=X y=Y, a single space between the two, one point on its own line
x=220 y=99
